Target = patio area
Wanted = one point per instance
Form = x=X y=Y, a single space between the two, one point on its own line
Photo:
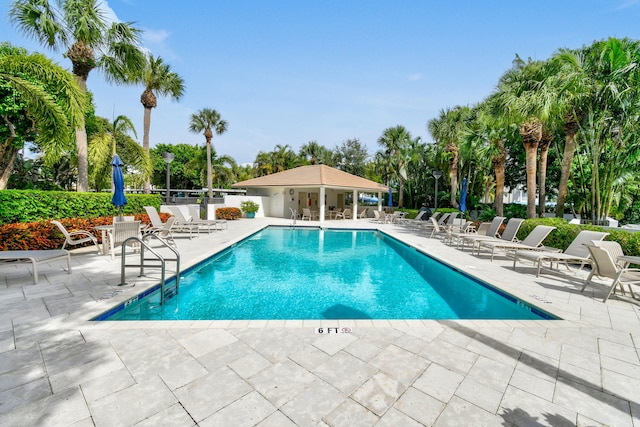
x=59 y=369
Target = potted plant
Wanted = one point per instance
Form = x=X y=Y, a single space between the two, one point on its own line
x=249 y=208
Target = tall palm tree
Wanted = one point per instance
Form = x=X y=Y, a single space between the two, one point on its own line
x=115 y=137
x=89 y=40
x=528 y=102
x=41 y=102
x=395 y=141
x=311 y=150
x=206 y=120
x=446 y=131
x=158 y=79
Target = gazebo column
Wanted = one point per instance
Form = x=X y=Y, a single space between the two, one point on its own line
x=379 y=201
x=354 y=215
x=321 y=205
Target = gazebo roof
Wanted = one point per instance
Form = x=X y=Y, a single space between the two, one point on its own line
x=314 y=176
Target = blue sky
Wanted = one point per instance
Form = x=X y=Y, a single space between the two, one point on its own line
x=289 y=72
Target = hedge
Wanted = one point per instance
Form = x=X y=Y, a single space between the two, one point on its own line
x=31 y=205
x=228 y=213
x=44 y=235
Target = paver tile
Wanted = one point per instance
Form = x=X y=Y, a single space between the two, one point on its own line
x=439 y=382
x=479 y=394
x=593 y=403
x=174 y=415
x=204 y=396
x=282 y=382
x=60 y=409
x=379 y=393
x=394 y=418
x=524 y=409
x=351 y=414
x=345 y=372
x=246 y=411
x=459 y=410
x=420 y=406
x=400 y=364
x=310 y=406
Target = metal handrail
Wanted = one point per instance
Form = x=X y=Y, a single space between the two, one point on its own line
x=158 y=257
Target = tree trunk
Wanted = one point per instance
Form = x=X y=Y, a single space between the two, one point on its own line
x=145 y=143
x=453 y=174
x=401 y=191
x=545 y=143
x=209 y=172
x=570 y=129
x=499 y=162
x=8 y=156
x=531 y=133
x=82 y=147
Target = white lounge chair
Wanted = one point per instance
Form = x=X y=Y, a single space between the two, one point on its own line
x=163 y=232
x=183 y=223
x=76 y=237
x=533 y=241
x=194 y=211
x=156 y=221
x=492 y=232
x=306 y=214
x=509 y=234
x=604 y=255
x=36 y=257
x=576 y=253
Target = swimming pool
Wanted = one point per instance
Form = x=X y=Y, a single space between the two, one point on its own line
x=305 y=273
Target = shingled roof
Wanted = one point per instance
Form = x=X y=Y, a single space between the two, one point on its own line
x=313 y=176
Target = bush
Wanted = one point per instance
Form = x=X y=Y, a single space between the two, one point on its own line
x=249 y=206
x=31 y=205
x=228 y=213
x=44 y=235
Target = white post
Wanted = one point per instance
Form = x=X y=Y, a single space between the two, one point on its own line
x=321 y=205
x=379 y=201
x=354 y=214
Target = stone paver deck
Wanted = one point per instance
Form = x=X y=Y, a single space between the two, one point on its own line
x=59 y=369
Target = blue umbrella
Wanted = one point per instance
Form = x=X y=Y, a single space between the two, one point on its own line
x=118 y=199
x=390 y=201
x=463 y=196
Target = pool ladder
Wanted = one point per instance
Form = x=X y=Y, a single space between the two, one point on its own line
x=157 y=257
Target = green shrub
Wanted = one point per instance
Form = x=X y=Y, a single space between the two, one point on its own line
x=33 y=205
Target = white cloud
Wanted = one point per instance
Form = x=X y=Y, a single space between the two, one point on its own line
x=155 y=36
x=108 y=13
x=626 y=4
x=415 y=76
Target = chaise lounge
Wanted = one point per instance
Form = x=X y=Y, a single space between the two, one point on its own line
x=35 y=258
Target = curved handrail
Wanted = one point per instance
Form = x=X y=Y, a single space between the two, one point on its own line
x=143 y=246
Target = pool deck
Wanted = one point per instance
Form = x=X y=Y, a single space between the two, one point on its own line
x=59 y=369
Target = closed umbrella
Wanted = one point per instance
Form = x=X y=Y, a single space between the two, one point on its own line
x=390 y=201
x=463 y=196
x=118 y=199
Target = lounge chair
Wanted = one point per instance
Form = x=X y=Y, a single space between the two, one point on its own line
x=76 y=237
x=363 y=214
x=576 y=253
x=533 y=241
x=604 y=264
x=306 y=214
x=376 y=216
x=120 y=232
x=412 y=222
x=435 y=228
x=194 y=211
x=183 y=223
x=492 y=231
x=36 y=257
x=156 y=221
x=163 y=232
x=346 y=214
x=509 y=234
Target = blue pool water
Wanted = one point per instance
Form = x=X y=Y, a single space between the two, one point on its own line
x=303 y=273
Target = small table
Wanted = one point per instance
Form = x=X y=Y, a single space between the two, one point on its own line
x=629 y=259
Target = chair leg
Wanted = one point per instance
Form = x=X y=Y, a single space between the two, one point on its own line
x=588 y=280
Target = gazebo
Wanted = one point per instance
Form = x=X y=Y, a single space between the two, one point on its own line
x=318 y=187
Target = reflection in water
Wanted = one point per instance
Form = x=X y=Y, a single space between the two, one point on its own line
x=340 y=311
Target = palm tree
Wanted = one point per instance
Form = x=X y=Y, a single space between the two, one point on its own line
x=80 y=29
x=41 y=103
x=528 y=102
x=446 y=131
x=395 y=142
x=311 y=150
x=104 y=144
x=205 y=120
x=158 y=79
